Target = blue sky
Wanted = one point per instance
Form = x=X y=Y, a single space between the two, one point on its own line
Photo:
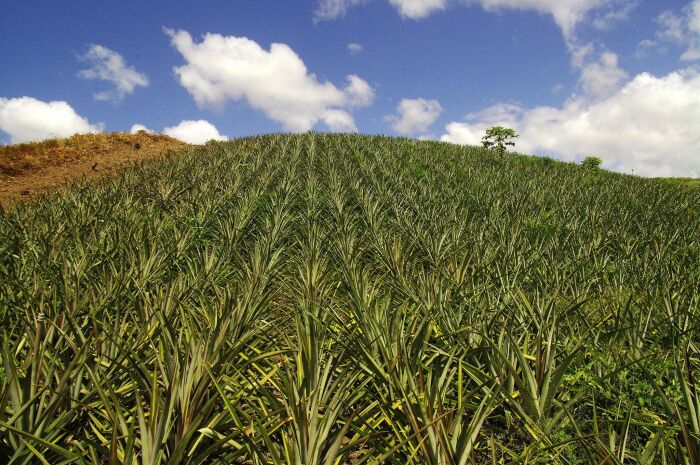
x=618 y=79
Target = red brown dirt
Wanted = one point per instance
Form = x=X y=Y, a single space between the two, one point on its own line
x=27 y=170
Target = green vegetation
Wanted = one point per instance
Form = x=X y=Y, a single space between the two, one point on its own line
x=498 y=138
x=687 y=182
x=592 y=163
x=327 y=299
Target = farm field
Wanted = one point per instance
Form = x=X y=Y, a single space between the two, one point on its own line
x=324 y=299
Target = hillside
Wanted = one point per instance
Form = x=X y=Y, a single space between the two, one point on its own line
x=27 y=170
x=325 y=299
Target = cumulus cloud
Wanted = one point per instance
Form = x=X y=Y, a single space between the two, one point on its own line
x=357 y=92
x=602 y=78
x=139 y=127
x=339 y=121
x=648 y=127
x=108 y=65
x=276 y=82
x=194 y=132
x=354 y=48
x=473 y=128
x=414 y=116
x=27 y=119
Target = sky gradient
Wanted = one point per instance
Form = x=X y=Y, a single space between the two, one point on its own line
x=616 y=79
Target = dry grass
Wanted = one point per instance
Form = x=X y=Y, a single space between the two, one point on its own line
x=32 y=168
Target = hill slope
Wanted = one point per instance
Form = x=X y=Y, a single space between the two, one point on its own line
x=32 y=168
x=326 y=299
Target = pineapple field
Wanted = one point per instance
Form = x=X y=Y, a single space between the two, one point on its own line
x=324 y=299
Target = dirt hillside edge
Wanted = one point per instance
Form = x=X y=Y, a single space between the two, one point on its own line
x=27 y=170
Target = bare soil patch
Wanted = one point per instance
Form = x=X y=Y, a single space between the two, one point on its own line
x=27 y=170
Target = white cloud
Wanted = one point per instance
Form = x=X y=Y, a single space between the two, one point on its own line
x=418 y=9
x=354 y=48
x=27 y=119
x=414 y=115
x=692 y=54
x=475 y=125
x=108 y=65
x=614 y=13
x=140 y=127
x=194 y=132
x=692 y=13
x=333 y=9
x=276 y=82
x=358 y=93
x=602 y=78
x=647 y=47
x=339 y=121
x=649 y=126
x=566 y=13
x=682 y=29
x=672 y=26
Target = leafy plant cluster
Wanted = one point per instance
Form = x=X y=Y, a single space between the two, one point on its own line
x=592 y=163
x=330 y=299
x=498 y=139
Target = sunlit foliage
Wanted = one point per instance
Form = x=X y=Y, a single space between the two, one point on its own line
x=327 y=299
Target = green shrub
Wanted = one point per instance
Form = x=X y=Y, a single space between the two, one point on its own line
x=592 y=163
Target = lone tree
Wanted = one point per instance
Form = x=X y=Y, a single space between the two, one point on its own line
x=592 y=163
x=497 y=138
